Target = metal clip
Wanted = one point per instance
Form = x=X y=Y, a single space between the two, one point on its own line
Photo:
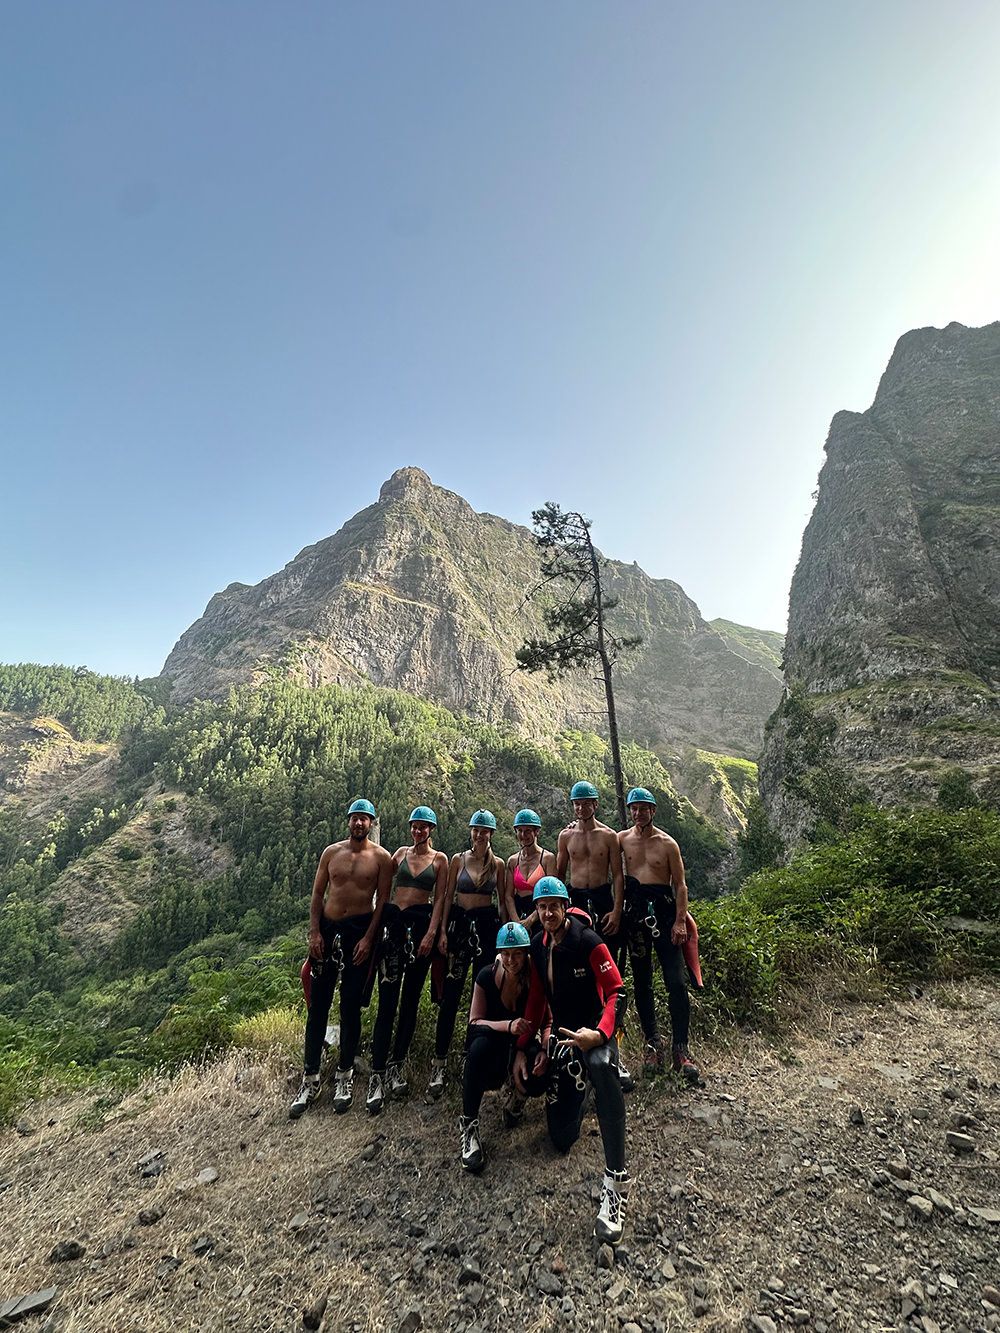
x=650 y=921
x=337 y=953
x=574 y=1068
x=473 y=940
x=409 y=952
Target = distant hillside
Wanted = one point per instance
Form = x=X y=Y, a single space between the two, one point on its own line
x=762 y=646
x=419 y=592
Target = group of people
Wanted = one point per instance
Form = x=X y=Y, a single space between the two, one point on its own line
x=546 y=936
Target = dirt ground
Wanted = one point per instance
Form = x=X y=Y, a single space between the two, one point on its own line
x=776 y=1195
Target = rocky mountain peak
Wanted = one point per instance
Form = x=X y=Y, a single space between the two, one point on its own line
x=893 y=645
x=421 y=593
x=404 y=482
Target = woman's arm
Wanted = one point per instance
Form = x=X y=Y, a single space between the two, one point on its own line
x=501 y=869
x=509 y=906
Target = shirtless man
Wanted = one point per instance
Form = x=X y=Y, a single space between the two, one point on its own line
x=349 y=892
x=656 y=904
x=590 y=852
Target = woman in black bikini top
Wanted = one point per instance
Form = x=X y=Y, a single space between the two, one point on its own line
x=468 y=929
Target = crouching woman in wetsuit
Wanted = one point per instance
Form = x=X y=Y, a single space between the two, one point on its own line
x=574 y=976
x=496 y=1021
x=468 y=926
x=410 y=932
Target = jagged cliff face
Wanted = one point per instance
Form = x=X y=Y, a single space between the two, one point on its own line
x=421 y=593
x=893 y=649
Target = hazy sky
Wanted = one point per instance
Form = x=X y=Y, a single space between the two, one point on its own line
x=628 y=256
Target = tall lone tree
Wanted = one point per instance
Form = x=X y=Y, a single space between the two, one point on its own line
x=577 y=621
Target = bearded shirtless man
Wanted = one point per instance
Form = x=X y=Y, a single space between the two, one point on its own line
x=349 y=892
x=656 y=904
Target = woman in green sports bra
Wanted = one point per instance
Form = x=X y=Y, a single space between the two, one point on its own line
x=412 y=920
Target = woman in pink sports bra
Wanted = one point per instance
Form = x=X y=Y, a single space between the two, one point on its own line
x=526 y=868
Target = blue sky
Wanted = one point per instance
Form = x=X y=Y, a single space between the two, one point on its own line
x=631 y=257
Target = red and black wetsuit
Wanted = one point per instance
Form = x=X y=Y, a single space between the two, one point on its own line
x=576 y=978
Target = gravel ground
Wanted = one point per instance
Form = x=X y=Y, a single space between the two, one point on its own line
x=809 y=1185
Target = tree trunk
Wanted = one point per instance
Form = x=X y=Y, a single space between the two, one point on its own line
x=609 y=693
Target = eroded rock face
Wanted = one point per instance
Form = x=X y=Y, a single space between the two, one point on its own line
x=420 y=593
x=893 y=649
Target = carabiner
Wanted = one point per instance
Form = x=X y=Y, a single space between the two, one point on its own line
x=650 y=921
x=409 y=952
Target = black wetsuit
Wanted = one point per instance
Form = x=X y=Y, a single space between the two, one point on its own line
x=472 y=934
x=488 y=1053
x=402 y=972
x=584 y=990
x=650 y=911
x=339 y=941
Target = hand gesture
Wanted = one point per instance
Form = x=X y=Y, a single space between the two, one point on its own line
x=679 y=932
x=583 y=1039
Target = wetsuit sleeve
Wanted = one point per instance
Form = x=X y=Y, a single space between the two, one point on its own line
x=534 y=1011
x=609 y=983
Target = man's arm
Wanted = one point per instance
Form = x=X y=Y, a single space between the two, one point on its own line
x=679 y=932
x=613 y=920
x=562 y=856
x=316 y=904
x=608 y=981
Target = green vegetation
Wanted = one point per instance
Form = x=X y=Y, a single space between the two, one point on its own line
x=96 y=708
x=879 y=897
x=266 y=776
x=765 y=647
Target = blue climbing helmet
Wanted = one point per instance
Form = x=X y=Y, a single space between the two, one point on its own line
x=423 y=814
x=640 y=796
x=584 y=791
x=550 y=887
x=512 y=935
x=361 y=807
x=527 y=819
x=483 y=819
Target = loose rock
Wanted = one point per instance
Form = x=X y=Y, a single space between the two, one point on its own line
x=65 y=1251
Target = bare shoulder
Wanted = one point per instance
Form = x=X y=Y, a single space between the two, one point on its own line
x=661 y=836
x=441 y=859
x=609 y=836
x=398 y=855
x=382 y=855
x=624 y=836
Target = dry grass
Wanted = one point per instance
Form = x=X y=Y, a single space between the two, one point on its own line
x=767 y=1110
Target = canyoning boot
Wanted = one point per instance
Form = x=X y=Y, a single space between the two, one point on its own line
x=438 y=1072
x=396 y=1081
x=652 y=1059
x=343 y=1090
x=684 y=1065
x=306 y=1095
x=472 y=1148
x=624 y=1077
x=611 y=1214
x=375 y=1097
x=513 y=1107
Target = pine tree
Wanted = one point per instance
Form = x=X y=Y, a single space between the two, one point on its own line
x=577 y=622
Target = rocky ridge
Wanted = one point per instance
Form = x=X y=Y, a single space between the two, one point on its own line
x=892 y=657
x=421 y=593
